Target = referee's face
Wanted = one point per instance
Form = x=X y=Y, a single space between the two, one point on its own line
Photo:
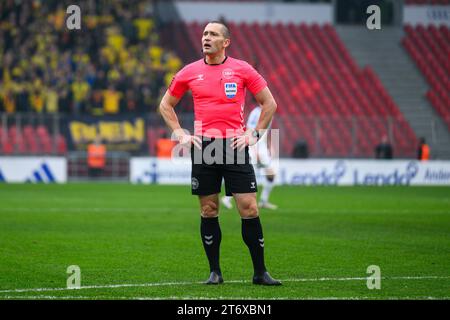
x=213 y=40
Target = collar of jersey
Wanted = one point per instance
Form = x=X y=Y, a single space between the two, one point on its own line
x=215 y=64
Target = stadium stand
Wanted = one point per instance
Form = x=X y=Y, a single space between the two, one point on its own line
x=429 y=47
x=115 y=66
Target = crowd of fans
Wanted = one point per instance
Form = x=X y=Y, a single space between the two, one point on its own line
x=114 y=64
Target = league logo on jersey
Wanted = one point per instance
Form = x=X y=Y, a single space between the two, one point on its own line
x=230 y=89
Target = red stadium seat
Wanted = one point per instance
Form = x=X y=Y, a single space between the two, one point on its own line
x=7 y=148
x=429 y=48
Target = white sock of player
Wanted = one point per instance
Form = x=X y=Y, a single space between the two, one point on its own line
x=267 y=188
x=226 y=201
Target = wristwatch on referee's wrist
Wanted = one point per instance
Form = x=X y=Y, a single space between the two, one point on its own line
x=255 y=134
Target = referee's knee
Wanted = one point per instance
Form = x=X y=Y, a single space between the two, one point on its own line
x=209 y=210
x=250 y=211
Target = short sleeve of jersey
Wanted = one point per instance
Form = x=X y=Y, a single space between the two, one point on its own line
x=179 y=84
x=253 y=80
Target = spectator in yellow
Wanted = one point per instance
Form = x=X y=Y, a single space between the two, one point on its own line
x=113 y=75
x=92 y=21
x=108 y=54
x=58 y=18
x=155 y=53
x=111 y=100
x=80 y=57
x=115 y=39
x=173 y=63
x=8 y=101
x=144 y=27
x=51 y=100
x=37 y=101
x=80 y=91
x=130 y=66
x=168 y=78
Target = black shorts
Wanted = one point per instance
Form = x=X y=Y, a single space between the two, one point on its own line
x=217 y=160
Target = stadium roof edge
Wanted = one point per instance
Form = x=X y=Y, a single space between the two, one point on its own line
x=260 y=12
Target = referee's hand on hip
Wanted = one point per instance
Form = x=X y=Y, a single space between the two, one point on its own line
x=246 y=139
x=187 y=139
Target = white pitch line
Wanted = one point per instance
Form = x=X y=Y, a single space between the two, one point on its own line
x=156 y=284
x=220 y=298
x=365 y=278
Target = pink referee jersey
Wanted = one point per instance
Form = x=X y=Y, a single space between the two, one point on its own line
x=219 y=94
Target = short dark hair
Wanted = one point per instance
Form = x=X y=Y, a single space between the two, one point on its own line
x=226 y=30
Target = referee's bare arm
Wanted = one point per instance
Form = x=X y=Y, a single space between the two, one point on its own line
x=166 y=108
x=268 y=108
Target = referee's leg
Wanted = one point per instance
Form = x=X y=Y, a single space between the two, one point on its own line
x=252 y=234
x=211 y=235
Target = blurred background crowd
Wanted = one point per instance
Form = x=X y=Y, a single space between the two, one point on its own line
x=114 y=64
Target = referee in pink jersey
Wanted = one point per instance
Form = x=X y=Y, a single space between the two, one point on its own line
x=219 y=145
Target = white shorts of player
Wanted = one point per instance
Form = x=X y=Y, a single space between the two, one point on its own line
x=260 y=156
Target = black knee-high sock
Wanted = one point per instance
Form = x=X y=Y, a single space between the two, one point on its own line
x=211 y=237
x=253 y=237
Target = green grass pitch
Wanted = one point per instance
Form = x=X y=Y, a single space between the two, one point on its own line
x=136 y=241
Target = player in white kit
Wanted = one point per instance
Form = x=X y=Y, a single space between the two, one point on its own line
x=260 y=157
